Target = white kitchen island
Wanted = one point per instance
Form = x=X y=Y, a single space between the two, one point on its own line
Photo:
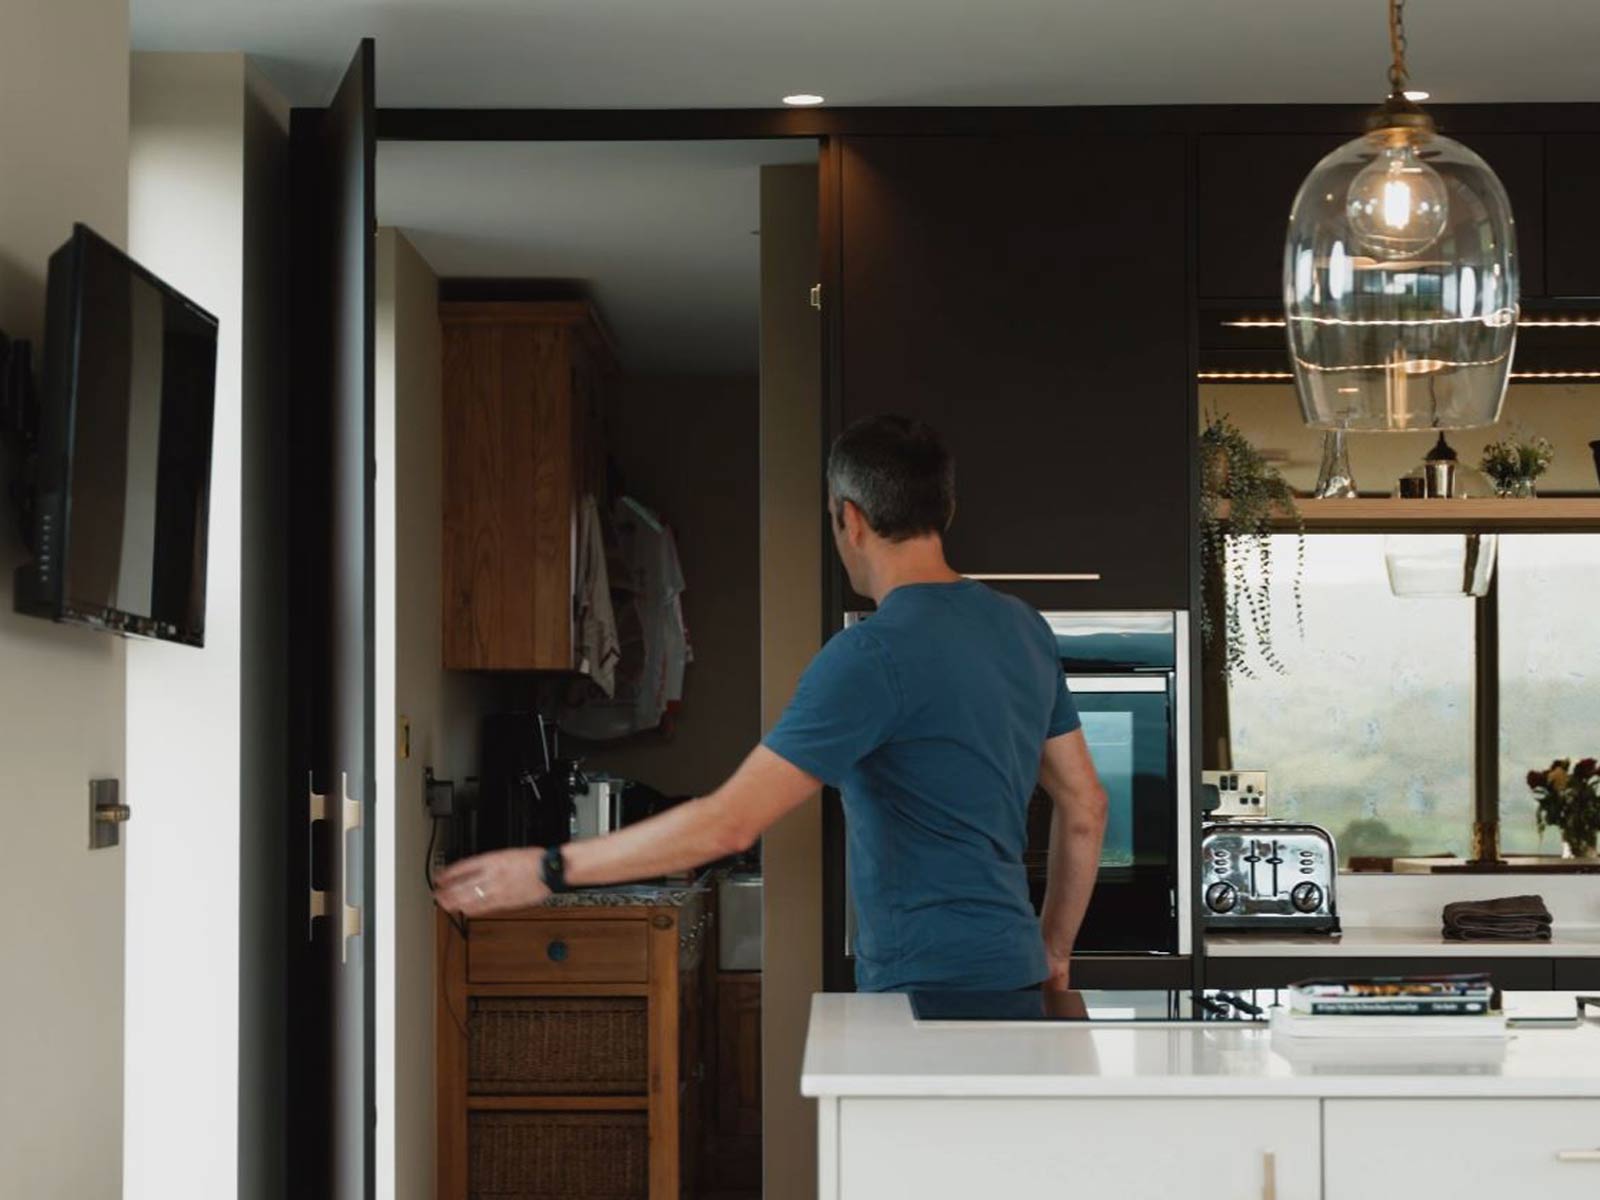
x=1212 y=1112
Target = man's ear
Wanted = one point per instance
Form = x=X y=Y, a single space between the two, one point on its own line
x=855 y=521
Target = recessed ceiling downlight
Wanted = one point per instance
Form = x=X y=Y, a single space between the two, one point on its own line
x=803 y=100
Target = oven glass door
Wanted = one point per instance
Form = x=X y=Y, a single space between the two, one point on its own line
x=1128 y=724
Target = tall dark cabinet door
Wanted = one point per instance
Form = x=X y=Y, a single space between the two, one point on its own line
x=330 y=1003
x=1028 y=296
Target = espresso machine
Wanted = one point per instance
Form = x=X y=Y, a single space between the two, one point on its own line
x=527 y=792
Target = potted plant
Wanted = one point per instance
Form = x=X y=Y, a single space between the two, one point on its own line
x=1568 y=796
x=1240 y=494
x=1513 y=465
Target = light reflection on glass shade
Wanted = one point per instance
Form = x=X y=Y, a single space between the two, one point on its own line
x=1417 y=334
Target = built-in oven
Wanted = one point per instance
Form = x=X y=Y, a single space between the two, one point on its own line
x=1129 y=674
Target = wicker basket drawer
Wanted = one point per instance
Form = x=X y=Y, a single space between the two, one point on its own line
x=546 y=950
x=559 y=1046
x=558 y=1156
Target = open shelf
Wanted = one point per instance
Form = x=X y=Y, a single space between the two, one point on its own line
x=1577 y=514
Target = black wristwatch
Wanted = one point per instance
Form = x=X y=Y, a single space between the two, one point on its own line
x=553 y=870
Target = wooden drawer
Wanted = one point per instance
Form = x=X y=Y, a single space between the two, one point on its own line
x=558 y=1156
x=559 y=1045
x=1463 y=1149
x=553 y=950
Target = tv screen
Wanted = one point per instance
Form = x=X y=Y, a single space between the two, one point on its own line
x=124 y=470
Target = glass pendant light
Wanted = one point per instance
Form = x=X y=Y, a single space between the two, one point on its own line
x=1400 y=276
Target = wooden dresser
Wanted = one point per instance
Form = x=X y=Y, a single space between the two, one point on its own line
x=570 y=1051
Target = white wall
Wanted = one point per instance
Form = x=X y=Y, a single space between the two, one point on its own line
x=63 y=157
x=440 y=708
x=187 y=200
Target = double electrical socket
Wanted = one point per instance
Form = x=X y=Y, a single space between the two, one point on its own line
x=1239 y=793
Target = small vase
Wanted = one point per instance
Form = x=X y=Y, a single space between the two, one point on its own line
x=1581 y=852
x=1516 y=489
x=1335 y=481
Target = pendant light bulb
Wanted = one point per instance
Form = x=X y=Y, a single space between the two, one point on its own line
x=1397 y=204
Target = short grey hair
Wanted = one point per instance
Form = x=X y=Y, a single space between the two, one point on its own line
x=898 y=472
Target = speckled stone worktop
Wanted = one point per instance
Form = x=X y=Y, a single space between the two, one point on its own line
x=637 y=895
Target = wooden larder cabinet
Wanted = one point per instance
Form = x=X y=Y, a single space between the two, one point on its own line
x=523 y=390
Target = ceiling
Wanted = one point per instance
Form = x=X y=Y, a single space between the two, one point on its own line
x=748 y=53
x=661 y=235
x=663 y=232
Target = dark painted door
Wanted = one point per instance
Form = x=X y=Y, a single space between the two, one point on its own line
x=330 y=1002
x=1572 y=176
x=1028 y=296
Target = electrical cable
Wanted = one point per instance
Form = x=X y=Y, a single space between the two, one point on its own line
x=457 y=922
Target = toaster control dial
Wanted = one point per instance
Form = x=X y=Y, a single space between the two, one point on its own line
x=1306 y=897
x=1221 y=897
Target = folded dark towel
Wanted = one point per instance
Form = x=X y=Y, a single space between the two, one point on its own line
x=1505 y=919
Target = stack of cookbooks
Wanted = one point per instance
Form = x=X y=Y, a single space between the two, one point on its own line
x=1449 y=1006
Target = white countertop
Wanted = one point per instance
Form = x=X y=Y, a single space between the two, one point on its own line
x=1378 y=941
x=868 y=1045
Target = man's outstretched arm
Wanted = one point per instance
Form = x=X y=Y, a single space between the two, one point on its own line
x=728 y=821
x=1077 y=827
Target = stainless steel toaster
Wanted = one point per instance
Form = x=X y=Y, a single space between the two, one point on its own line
x=1268 y=875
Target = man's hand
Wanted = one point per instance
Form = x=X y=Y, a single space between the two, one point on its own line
x=490 y=883
x=1060 y=975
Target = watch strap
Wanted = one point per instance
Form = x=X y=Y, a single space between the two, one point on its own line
x=553 y=870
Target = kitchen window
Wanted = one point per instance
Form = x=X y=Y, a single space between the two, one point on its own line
x=1370 y=731
x=1549 y=670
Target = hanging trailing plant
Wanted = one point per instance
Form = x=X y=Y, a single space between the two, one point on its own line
x=1238 y=544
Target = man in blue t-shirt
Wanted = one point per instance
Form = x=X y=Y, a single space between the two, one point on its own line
x=935 y=719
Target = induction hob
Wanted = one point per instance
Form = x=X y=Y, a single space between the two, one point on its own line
x=1152 y=1007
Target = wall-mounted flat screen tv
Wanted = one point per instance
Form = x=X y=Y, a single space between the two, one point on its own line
x=122 y=475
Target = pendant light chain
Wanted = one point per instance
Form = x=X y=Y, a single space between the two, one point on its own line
x=1398 y=75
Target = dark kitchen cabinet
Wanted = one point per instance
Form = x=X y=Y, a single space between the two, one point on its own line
x=1028 y=296
x=1578 y=975
x=1245 y=185
x=1572 y=201
x=1518 y=159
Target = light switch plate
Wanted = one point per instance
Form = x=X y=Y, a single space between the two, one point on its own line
x=1241 y=794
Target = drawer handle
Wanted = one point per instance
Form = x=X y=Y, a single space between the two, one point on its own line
x=1078 y=577
x=1592 y=1156
x=556 y=951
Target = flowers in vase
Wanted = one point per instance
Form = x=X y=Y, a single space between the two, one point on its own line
x=1568 y=797
x=1512 y=465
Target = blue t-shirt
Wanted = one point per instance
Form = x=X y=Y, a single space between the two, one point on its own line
x=931 y=718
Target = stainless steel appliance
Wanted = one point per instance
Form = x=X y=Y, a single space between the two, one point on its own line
x=1129 y=673
x=598 y=808
x=1268 y=875
x=739 y=909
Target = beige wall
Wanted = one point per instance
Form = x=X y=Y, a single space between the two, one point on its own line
x=63 y=157
x=441 y=708
x=205 y=151
x=686 y=446
x=1567 y=414
x=791 y=624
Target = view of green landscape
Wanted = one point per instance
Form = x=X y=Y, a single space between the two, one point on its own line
x=1549 y=669
x=1368 y=731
